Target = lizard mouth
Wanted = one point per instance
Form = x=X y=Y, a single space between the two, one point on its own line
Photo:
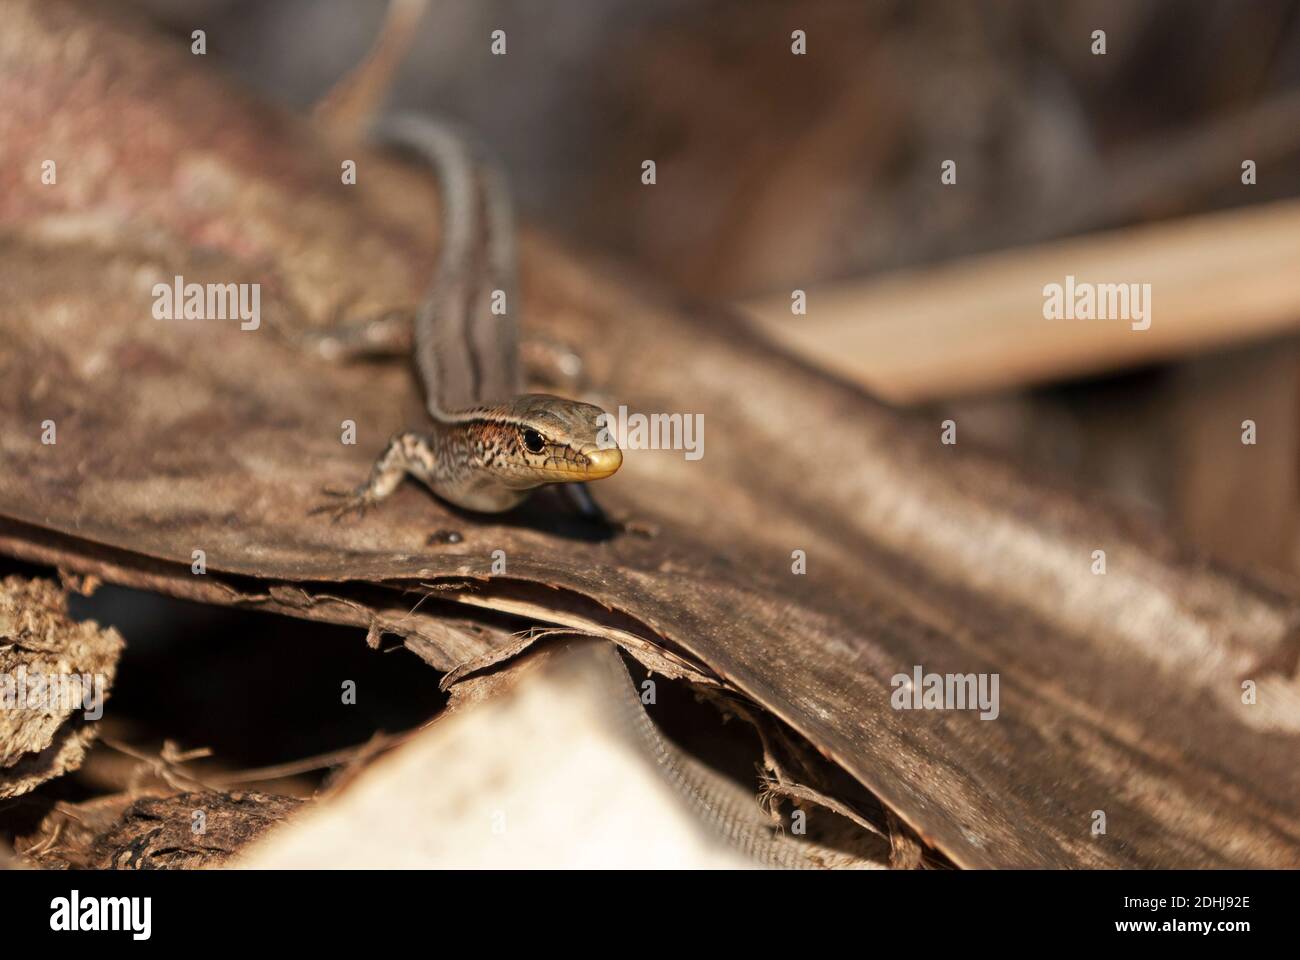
x=575 y=467
x=602 y=463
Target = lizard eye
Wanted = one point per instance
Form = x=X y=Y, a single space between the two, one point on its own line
x=533 y=441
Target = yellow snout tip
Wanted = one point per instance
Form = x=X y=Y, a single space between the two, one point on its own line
x=603 y=463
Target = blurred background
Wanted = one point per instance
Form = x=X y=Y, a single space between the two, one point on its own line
x=777 y=171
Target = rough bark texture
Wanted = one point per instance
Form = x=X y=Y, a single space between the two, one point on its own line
x=130 y=831
x=1119 y=693
x=50 y=670
x=188 y=830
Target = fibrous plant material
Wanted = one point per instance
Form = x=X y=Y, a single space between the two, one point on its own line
x=188 y=830
x=55 y=674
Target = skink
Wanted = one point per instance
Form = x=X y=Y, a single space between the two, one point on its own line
x=489 y=445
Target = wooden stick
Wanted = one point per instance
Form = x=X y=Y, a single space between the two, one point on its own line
x=977 y=325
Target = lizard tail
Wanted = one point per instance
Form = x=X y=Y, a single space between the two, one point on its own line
x=346 y=110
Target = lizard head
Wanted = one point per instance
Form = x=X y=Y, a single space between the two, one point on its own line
x=545 y=439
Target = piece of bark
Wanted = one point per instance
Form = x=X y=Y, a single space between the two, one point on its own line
x=563 y=770
x=188 y=830
x=66 y=835
x=55 y=674
x=1119 y=693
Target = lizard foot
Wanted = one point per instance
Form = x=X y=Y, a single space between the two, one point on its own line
x=356 y=501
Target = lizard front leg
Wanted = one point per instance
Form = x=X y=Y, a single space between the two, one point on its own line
x=407 y=453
